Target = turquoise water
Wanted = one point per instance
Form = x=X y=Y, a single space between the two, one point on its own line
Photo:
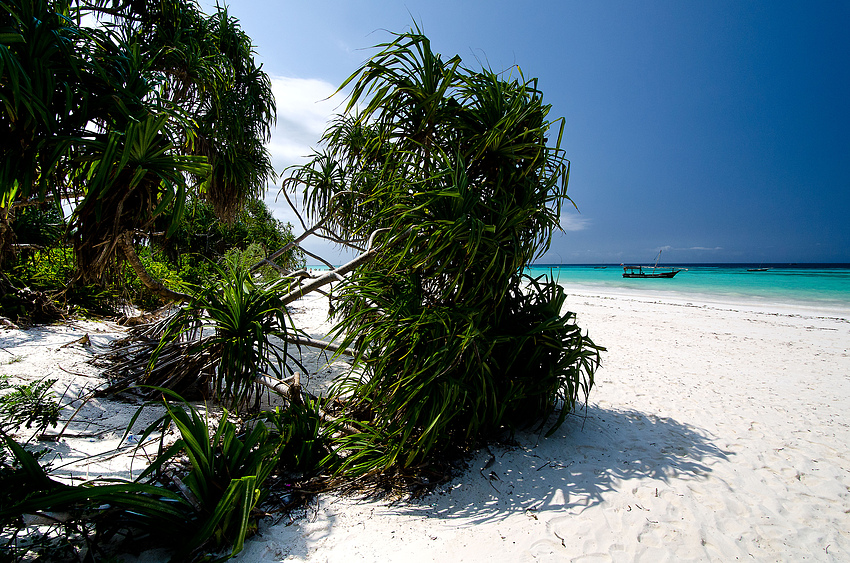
x=818 y=285
x=822 y=286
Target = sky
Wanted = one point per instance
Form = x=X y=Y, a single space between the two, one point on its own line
x=717 y=131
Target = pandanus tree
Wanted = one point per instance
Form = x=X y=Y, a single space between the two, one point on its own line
x=125 y=118
x=451 y=172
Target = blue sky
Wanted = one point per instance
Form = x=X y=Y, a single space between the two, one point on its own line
x=719 y=131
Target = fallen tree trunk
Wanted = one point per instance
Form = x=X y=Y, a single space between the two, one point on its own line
x=336 y=274
x=313 y=343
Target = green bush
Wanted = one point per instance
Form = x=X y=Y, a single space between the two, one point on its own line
x=159 y=268
x=210 y=510
x=53 y=272
x=202 y=233
x=29 y=405
x=306 y=438
x=249 y=329
x=197 y=271
x=226 y=481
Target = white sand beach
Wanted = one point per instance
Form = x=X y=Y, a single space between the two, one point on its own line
x=715 y=432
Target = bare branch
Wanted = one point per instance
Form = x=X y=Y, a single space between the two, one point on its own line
x=317 y=257
x=280 y=269
x=307 y=232
x=294 y=210
x=334 y=275
x=313 y=343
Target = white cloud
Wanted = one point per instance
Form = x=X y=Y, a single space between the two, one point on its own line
x=574 y=222
x=303 y=112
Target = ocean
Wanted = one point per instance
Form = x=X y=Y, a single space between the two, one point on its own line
x=819 y=286
x=825 y=286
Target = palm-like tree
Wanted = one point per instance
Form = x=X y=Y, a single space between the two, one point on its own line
x=454 y=168
x=40 y=67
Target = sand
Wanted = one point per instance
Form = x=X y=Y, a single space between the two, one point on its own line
x=715 y=432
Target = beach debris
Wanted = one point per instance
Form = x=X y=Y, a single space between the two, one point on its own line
x=83 y=341
x=22 y=307
x=560 y=538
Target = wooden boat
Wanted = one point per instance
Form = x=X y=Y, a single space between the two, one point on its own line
x=757 y=269
x=637 y=271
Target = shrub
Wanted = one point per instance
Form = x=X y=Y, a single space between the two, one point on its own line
x=201 y=232
x=306 y=438
x=226 y=481
x=28 y=405
x=249 y=329
x=453 y=170
x=53 y=272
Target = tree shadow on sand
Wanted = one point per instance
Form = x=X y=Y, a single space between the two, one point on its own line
x=590 y=455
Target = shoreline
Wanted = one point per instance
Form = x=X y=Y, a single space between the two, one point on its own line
x=720 y=301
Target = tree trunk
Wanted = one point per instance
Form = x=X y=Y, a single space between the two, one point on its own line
x=7 y=235
x=125 y=243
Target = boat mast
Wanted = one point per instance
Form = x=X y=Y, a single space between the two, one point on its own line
x=657 y=258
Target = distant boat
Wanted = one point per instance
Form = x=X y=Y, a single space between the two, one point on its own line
x=637 y=271
x=757 y=269
x=599 y=267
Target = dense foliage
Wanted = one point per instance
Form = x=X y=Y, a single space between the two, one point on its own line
x=453 y=169
x=122 y=121
x=207 y=510
x=202 y=234
x=245 y=338
x=125 y=119
x=185 y=261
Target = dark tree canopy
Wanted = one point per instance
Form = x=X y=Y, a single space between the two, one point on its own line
x=127 y=117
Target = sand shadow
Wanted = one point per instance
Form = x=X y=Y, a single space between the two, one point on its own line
x=592 y=454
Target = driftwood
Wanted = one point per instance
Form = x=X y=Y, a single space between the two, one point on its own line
x=178 y=367
x=292 y=391
x=128 y=367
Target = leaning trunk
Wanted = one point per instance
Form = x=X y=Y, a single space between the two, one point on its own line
x=7 y=235
x=125 y=243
